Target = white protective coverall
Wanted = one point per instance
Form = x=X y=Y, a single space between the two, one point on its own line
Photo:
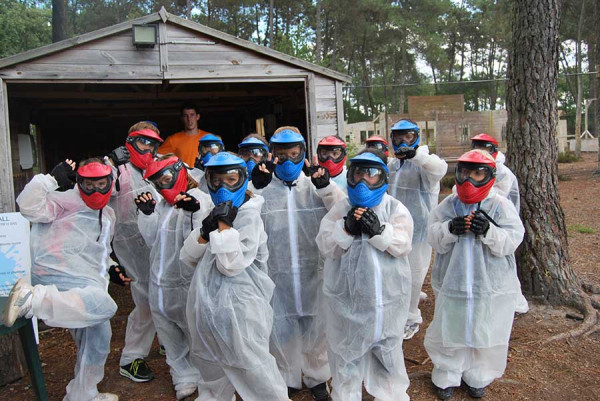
x=198 y=175
x=476 y=289
x=367 y=292
x=416 y=183
x=164 y=231
x=506 y=183
x=341 y=179
x=134 y=256
x=229 y=311
x=70 y=261
x=292 y=216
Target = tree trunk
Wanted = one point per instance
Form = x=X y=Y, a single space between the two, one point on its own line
x=402 y=76
x=597 y=80
x=318 y=44
x=579 y=83
x=271 y=5
x=533 y=150
x=59 y=20
x=188 y=9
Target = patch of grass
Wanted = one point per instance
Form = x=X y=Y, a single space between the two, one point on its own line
x=562 y=177
x=581 y=229
x=568 y=157
x=448 y=181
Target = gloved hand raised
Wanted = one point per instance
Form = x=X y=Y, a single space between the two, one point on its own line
x=209 y=224
x=225 y=212
x=459 y=225
x=187 y=202
x=351 y=225
x=318 y=175
x=118 y=275
x=262 y=174
x=64 y=174
x=145 y=203
x=479 y=224
x=406 y=153
x=119 y=156
x=369 y=223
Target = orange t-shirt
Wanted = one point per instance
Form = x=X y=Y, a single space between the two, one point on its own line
x=183 y=145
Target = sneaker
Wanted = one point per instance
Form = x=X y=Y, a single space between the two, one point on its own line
x=18 y=303
x=138 y=371
x=162 y=351
x=444 y=393
x=320 y=392
x=106 y=397
x=475 y=392
x=410 y=330
x=186 y=390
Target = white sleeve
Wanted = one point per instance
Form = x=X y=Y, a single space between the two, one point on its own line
x=505 y=239
x=331 y=194
x=148 y=226
x=333 y=240
x=236 y=249
x=396 y=237
x=438 y=232
x=433 y=168
x=36 y=203
x=192 y=251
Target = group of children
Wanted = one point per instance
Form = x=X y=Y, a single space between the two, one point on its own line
x=261 y=271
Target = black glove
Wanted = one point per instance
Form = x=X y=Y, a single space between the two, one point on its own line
x=407 y=152
x=209 y=224
x=458 y=225
x=369 y=223
x=479 y=224
x=64 y=175
x=261 y=179
x=351 y=225
x=225 y=212
x=145 y=207
x=322 y=181
x=119 y=156
x=191 y=205
x=114 y=273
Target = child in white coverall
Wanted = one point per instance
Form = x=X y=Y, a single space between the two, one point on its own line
x=475 y=232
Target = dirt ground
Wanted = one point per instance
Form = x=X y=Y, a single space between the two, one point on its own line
x=565 y=370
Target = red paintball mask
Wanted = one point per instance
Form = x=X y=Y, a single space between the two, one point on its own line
x=485 y=142
x=169 y=176
x=331 y=152
x=142 y=146
x=94 y=181
x=475 y=176
x=378 y=142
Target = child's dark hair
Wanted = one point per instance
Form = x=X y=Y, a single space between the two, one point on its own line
x=377 y=152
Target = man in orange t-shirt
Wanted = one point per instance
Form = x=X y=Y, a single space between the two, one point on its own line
x=185 y=143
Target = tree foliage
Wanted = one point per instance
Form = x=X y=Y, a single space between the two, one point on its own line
x=391 y=48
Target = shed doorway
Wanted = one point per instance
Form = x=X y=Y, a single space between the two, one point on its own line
x=78 y=120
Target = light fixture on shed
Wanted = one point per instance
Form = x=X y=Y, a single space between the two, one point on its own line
x=144 y=36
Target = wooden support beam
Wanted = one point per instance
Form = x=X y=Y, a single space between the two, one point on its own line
x=35 y=94
x=7 y=189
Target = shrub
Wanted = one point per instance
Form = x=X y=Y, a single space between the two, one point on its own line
x=581 y=229
x=568 y=157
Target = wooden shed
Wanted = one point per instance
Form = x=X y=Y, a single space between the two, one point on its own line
x=78 y=97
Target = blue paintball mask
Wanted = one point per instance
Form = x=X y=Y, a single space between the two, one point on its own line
x=405 y=134
x=290 y=149
x=367 y=180
x=226 y=178
x=208 y=146
x=253 y=151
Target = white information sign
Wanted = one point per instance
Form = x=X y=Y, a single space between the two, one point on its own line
x=15 y=257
